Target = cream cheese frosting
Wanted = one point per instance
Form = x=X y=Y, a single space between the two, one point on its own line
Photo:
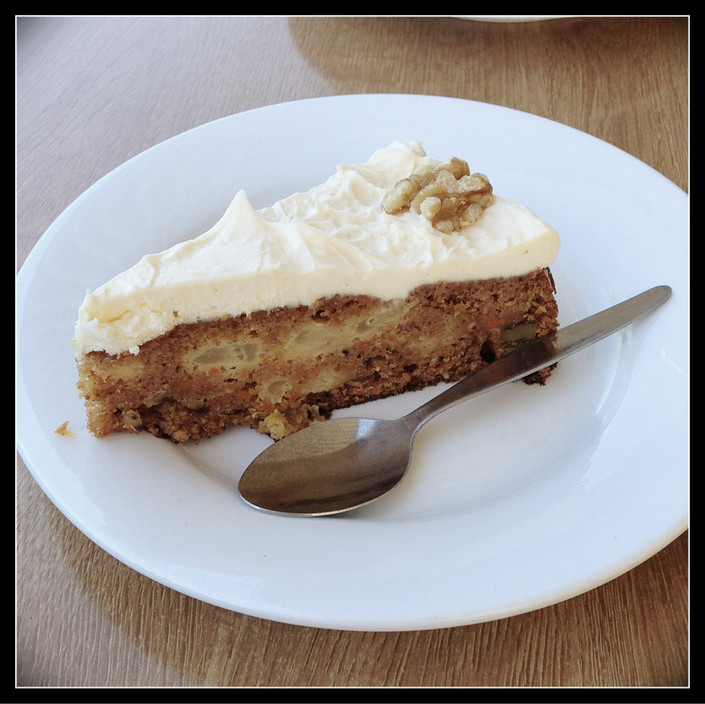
x=334 y=238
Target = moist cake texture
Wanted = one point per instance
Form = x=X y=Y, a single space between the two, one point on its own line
x=392 y=275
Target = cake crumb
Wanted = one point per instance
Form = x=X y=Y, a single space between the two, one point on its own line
x=64 y=431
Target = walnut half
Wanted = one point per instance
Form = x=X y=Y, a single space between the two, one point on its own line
x=449 y=196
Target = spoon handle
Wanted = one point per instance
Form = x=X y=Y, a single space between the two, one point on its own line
x=541 y=353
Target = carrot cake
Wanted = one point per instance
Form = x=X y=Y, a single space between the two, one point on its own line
x=393 y=275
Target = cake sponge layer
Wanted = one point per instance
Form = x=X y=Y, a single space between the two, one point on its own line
x=280 y=370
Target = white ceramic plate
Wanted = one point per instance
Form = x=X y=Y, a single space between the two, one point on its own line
x=519 y=499
x=512 y=18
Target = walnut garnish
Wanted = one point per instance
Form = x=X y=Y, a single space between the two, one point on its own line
x=449 y=196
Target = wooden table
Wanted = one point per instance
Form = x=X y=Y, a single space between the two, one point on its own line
x=95 y=91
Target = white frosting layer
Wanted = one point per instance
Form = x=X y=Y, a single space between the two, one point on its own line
x=333 y=239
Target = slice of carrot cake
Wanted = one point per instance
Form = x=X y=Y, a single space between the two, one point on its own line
x=393 y=275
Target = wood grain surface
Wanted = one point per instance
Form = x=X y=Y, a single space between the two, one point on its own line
x=93 y=92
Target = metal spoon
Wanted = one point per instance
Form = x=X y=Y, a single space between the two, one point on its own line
x=341 y=464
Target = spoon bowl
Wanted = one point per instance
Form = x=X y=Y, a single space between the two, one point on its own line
x=342 y=464
x=330 y=467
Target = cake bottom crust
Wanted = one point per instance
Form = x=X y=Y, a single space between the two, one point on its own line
x=279 y=371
